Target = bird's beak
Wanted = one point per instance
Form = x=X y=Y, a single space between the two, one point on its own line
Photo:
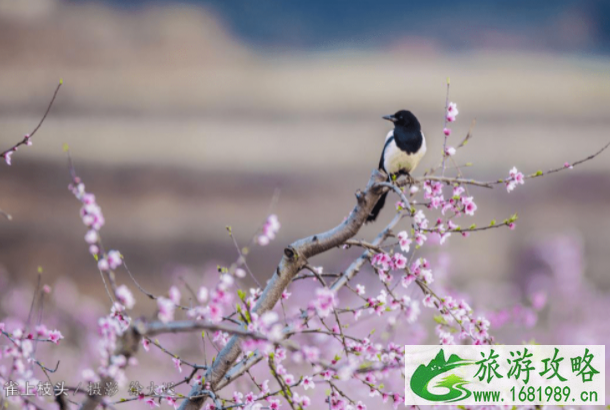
x=389 y=118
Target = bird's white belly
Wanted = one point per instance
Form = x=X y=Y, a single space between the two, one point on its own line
x=396 y=160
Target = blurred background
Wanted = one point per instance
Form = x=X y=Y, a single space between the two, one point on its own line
x=185 y=117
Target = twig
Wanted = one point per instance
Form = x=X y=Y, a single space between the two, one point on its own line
x=445 y=126
x=151 y=329
x=6 y=215
x=27 y=138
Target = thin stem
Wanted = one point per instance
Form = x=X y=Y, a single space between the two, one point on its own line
x=445 y=126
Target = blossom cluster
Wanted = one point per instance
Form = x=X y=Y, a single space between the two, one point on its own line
x=458 y=312
x=515 y=178
x=21 y=350
x=450 y=116
x=212 y=303
x=270 y=229
x=93 y=218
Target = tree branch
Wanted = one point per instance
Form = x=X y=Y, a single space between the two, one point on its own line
x=295 y=259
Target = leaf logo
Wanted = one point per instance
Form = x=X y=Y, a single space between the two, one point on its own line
x=423 y=375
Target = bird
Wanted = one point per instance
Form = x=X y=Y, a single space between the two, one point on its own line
x=404 y=147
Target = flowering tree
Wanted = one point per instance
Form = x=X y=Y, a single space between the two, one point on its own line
x=338 y=342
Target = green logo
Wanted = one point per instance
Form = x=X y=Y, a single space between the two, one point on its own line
x=423 y=375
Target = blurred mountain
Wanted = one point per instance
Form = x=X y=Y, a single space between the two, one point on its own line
x=559 y=25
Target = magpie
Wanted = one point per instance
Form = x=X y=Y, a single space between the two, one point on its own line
x=404 y=147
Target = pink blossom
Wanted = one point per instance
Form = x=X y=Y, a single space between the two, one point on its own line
x=382 y=260
x=249 y=398
x=436 y=202
x=270 y=229
x=327 y=375
x=360 y=289
x=420 y=238
x=538 y=300
x=172 y=402
x=174 y=295
x=263 y=240
x=308 y=383
x=469 y=206
x=202 y=294
x=55 y=336
x=274 y=404
x=89 y=376
x=449 y=206
x=146 y=344
x=428 y=301
x=226 y=281
x=426 y=276
x=41 y=331
x=411 y=309
x=452 y=109
x=125 y=296
x=447 y=131
x=264 y=388
x=444 y=236
x=420 y=219
x=88 y=198
x=91 y=237
x=151 y=402
x=240 y=273
x=166 y=309
x=360 y=406
x=516 y=177
x=177 y=364
x=446 y=338
x=450 y=151
x=304 y=401
x=46 y=289
x=482 y=323
x=238 y=397
x=103 y=265
x=512 y=226
x=114 y=259
x=407 y=280
x=286 y=295
x=214 y=312
x=399 y=261
x=404 y=241
x=312 y=354
x=7 y=157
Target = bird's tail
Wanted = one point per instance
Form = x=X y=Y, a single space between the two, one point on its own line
x=378 y=206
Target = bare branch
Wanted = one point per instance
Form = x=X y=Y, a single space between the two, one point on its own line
x=27 y=138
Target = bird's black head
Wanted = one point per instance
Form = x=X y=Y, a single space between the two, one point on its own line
x=403 y=118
